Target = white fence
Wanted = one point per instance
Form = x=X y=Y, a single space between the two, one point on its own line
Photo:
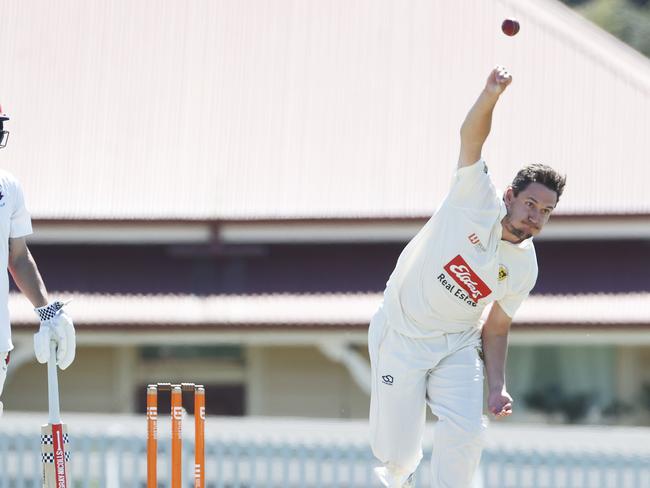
x=116 y=459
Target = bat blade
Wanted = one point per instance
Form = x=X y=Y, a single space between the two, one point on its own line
x=55 y=455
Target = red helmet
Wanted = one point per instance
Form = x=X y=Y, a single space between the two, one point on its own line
x=4 y=135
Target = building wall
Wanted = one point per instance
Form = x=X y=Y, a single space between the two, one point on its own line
x=300 y=381
x=277 y=381
x=93 y=383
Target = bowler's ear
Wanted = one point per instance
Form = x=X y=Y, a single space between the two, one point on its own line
x=508 y=196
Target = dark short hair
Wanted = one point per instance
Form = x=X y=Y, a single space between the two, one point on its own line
x=539 y=173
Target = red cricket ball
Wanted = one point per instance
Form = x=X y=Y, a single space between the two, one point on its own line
x=510 y=27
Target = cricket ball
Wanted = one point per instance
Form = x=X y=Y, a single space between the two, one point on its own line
x=510 y=27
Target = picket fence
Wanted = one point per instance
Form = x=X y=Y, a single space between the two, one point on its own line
x=118 y=460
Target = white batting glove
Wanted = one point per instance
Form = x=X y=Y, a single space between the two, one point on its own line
x=57 y=325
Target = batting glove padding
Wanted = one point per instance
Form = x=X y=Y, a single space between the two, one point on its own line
x=57 y=325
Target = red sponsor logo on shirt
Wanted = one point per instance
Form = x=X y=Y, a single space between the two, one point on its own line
x=467 y=279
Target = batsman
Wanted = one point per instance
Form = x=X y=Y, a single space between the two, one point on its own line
x=427 y=342
x=56 y=325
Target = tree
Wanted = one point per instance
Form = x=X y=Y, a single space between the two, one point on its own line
x=629 y=20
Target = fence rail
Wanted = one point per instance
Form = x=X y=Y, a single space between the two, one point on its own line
x=120 y=462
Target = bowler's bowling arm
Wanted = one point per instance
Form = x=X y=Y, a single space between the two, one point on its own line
x=478 y=122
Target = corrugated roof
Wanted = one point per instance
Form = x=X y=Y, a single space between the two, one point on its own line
x=289 y=109
x=338 y=310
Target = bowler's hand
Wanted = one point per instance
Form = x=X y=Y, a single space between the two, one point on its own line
x=499 y=403
x=498 y=81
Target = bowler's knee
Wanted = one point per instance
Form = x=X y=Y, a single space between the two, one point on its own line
x=475 y=431
x=461 y=432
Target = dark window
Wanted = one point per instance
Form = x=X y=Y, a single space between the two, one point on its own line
x=220 y=399
x=227 y=353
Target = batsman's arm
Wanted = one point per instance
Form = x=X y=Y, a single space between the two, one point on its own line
x=25 y=273
x=478 y=122
x=495 y=349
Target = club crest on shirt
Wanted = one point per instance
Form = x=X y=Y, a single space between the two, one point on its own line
x=471 y=287
x=503 y=272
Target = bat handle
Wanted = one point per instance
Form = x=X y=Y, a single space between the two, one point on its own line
x=53 y=387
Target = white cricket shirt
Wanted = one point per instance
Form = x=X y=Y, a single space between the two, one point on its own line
x=457 y=264
x=14 y=222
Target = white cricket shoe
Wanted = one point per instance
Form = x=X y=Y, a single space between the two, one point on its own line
x=390 y=480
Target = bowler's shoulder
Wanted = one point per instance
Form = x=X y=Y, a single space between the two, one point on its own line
x=477 y=169
x=472 y=187
x=532 y=269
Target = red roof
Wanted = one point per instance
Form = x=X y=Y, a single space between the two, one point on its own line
x=311 y=109
x=316 y=310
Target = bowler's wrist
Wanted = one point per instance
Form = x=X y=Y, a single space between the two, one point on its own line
x=497 y=388
x=490 y=94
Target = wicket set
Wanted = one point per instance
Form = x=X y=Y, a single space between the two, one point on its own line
x=176 y=431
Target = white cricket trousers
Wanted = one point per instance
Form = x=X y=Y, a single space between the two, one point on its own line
x=4 y=364
x=447 y=373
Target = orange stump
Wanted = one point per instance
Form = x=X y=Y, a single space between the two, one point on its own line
x=177 y=434
x=152 y=436
x=199 y=437
x=177 y=437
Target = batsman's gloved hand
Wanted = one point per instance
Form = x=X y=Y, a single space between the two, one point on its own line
x=56 y=325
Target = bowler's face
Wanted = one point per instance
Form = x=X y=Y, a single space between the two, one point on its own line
x=528 y=212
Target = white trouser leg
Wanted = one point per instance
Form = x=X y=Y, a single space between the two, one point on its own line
x=397 y=403
x=455 y=392
x=4 y=363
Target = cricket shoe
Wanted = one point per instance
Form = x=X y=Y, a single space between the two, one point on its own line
x=393 y=481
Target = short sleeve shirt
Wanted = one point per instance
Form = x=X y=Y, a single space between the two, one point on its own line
x=458 y=264
x=15 y=222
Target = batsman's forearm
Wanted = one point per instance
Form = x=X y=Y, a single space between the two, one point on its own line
x=28 y=279
x=478 y=122
x=495 y=350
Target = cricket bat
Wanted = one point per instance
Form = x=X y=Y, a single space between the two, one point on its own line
x=54 y=436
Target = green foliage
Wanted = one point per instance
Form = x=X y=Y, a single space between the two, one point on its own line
x=645 y=395
x=617 y=409
x=629 y=20
x=553 y=400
